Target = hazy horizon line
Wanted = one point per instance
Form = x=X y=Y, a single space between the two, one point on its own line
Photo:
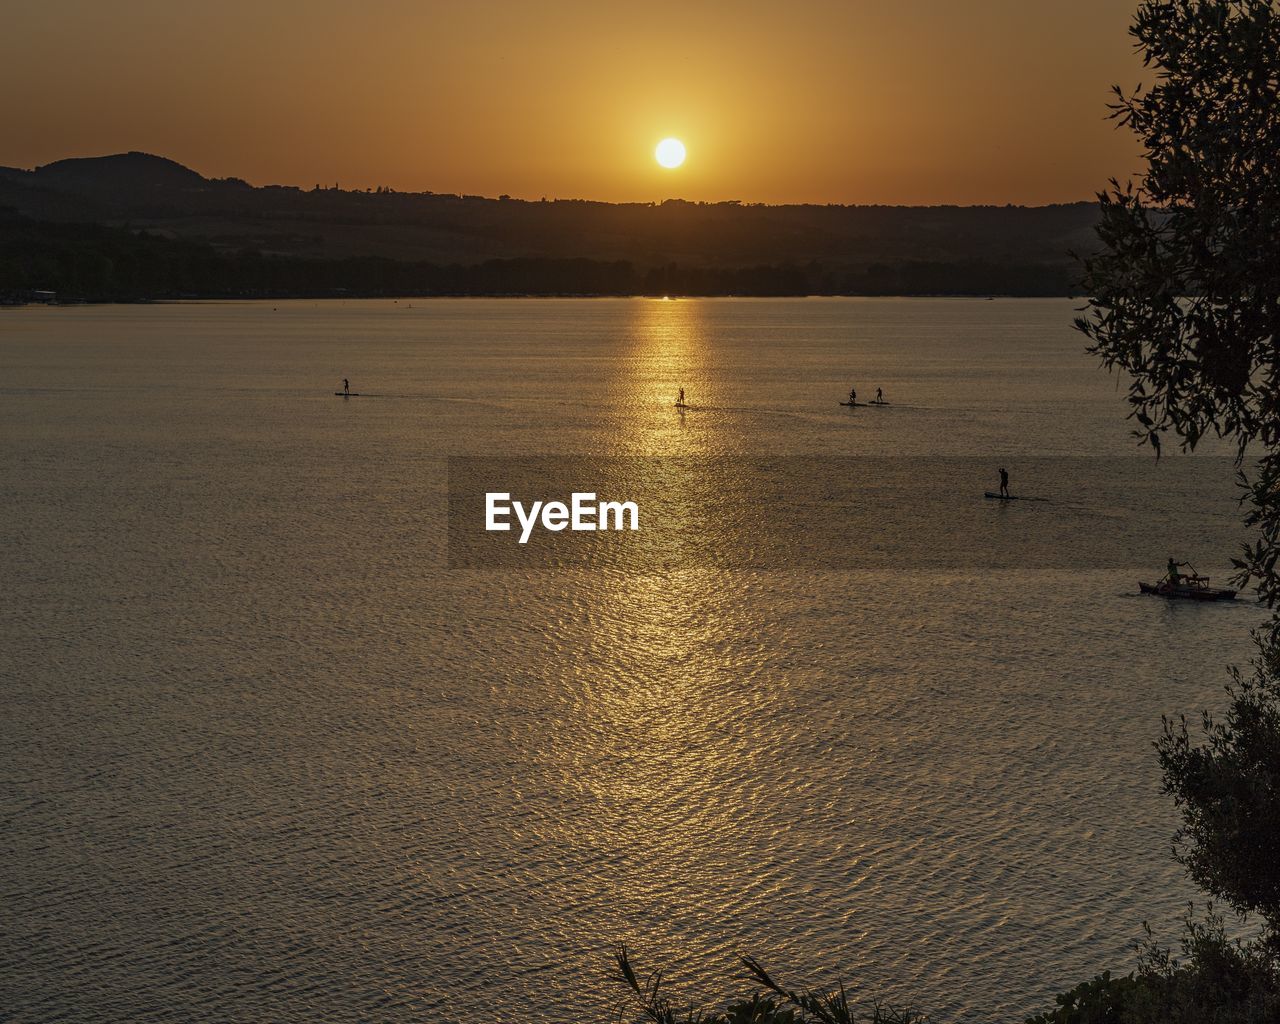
x=511 y=197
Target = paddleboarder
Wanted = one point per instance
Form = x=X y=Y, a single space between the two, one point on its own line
x=853 y=397
x=879 y=397
x=1004 y=482
x=680 y=400
x=346 y=386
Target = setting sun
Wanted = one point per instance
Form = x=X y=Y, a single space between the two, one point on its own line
x=670 y=153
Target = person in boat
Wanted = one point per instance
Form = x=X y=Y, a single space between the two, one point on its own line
x=879 y=397
x=853 y=396
x=346 y=386
x=1175 y=577
x=1004 y=482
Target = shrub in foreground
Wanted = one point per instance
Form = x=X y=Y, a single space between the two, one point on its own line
x=770 y=1003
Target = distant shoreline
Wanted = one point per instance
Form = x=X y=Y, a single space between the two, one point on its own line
x=132 y=227
x=215 y=299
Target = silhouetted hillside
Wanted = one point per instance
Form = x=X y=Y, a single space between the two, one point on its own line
x=674 y=246
x=124 y=173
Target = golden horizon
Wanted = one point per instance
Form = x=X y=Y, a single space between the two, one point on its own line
x=834 y=104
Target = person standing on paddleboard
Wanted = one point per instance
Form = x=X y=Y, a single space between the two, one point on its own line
x=346 y=386
x=879 y=397
x=680 y=400
x=853 y=397
x=1004 y=482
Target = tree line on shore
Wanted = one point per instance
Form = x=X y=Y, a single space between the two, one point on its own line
x=99 y=263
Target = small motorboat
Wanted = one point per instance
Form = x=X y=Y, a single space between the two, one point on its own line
x=1189 y=588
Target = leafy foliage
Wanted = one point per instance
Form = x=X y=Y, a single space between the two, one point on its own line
x=1104 y=1000
x=1213 y=981
x=772 y=1003
x=1186 y=287
x=1228 y=790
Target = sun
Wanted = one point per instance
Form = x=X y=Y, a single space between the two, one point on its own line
x=670 y=153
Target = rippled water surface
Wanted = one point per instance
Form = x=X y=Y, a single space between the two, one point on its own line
x=265 y=757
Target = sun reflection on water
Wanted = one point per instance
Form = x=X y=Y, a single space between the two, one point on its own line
x=666 y=347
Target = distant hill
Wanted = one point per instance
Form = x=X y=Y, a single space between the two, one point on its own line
x=122 y=173
x=675 y=244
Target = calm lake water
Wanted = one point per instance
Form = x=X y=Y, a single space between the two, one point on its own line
x=265 y=755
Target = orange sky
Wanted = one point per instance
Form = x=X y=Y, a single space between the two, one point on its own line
x=850 y=101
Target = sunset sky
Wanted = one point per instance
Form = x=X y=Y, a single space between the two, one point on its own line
x=850 y=101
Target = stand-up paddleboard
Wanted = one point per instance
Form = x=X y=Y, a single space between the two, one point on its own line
x=1011 y=497
x=347 y=394
x=683 y=405
x=851 y=405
